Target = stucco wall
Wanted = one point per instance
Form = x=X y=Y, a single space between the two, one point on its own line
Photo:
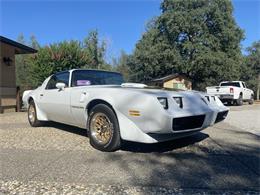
x=179 y=82
x=168 y=84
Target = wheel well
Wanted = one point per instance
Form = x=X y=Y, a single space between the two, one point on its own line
x=96 y=102
x=30 y=99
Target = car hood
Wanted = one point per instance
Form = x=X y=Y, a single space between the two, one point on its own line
x=145 y=90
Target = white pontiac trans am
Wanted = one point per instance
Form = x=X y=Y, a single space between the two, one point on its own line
x=113 y=111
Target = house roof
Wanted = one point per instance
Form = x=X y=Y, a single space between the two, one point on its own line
x=169 y=77
x=19 y=48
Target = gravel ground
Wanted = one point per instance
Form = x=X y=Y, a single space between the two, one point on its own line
x=57 y=159
x=33 y=187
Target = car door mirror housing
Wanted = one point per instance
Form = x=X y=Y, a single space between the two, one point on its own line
x=60 y=86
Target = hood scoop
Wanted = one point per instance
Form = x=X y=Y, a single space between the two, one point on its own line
x=134 y=85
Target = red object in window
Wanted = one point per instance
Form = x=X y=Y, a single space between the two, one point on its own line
x=231 y=90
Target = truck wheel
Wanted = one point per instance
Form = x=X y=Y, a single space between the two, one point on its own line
x=251 y=101
x=32 y=115
x=103 y=129
x=229 y=103
x=240 y=100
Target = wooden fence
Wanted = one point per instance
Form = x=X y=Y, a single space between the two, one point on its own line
x=13 y=101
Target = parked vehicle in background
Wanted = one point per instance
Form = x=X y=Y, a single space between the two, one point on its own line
x=232 y=92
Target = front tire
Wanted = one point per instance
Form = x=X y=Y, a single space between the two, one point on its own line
x=240 y=100
x=251 y=101
x=32 y=115
x=229 y=103
x=103 y=128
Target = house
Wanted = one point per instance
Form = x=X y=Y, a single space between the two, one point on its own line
x=9 y=92
x=175 y=81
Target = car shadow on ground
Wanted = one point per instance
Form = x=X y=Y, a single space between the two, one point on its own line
x=139 y=147
x=67 y=128
x=163 y=146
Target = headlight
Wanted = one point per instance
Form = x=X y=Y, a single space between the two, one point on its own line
x=204 y=101
x=163 y=101
x=178 y=100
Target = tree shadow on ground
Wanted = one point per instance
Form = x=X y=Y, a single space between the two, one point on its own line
x=189 y=169
x=232 y=164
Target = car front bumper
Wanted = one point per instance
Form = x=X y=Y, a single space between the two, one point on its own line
x=156 y=124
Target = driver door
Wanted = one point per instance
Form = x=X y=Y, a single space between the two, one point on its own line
x=56 y=102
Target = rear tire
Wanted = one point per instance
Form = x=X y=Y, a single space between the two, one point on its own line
x=32 y=115
x=229 y=103
x=103 y=128
x=239 y=101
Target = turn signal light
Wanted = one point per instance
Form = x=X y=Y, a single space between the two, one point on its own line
x=134 y=113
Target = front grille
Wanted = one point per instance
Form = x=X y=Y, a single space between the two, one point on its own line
x=221 y=116
x=189 y=122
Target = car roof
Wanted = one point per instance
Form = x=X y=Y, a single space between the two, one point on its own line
x=94 y=70
x=71 y=70
x=230 y=81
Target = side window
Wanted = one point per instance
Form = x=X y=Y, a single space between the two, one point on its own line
x=244 y=85
x=51 y=83
x=58 y=78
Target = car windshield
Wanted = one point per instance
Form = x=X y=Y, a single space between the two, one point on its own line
x=95 y=77
x=234 y=84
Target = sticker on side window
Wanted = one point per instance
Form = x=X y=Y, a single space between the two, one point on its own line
x=83 y=82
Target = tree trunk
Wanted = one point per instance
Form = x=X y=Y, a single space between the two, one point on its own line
x=258 y=87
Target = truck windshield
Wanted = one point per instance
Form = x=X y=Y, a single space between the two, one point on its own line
x=95 y=77
x=234 y=84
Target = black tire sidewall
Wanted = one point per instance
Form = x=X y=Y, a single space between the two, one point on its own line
x=115 y=141
x=240 y=101
x=36 y=122
x=251 y=101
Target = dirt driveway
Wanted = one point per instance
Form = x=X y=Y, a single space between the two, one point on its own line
x=58 y=159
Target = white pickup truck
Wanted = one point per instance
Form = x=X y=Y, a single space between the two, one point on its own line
x=232 y=92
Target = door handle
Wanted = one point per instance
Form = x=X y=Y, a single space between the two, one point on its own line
x=83 y=96
x=41 y=94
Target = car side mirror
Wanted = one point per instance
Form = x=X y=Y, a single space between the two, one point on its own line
x=60 y=86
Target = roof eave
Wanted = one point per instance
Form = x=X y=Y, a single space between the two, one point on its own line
x=21 y=49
